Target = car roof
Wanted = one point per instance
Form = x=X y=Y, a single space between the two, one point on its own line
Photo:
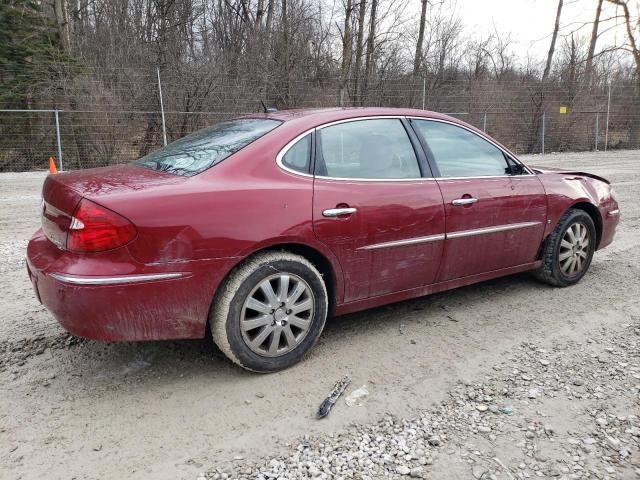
x=318 y=116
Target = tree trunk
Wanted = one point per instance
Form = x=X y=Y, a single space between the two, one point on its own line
x=285 y=36
x=547 y=68
x=270 y=8
x=368 y=63
x=259 y=13
x=62 y=20
x=359 y=47
x=634 y=133
x=588 y=72
x=417 y=60
x=346 y=53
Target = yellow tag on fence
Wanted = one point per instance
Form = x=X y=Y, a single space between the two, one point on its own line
x=563 y=110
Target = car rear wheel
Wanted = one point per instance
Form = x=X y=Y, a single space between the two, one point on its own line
x=568 y=251
x=269 y=312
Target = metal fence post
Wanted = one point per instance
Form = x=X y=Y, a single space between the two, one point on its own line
x=544 y=114
x=58 y=139
x=484 y=123
x=424 y=90
x=606 y=129
x=597 y=130
x=164 y=126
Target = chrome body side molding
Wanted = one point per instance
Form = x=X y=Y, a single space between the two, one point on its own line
x=452 y=235
x=486 y=230
x=116 y=280
x=403 y=243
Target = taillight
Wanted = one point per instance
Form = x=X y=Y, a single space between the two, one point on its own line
x=95 y=229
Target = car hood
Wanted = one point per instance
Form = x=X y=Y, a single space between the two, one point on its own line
x=569 y=172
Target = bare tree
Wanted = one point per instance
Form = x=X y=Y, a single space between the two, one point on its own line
x=592 y=44
x=634 y=48
x=346 y=52
x=417 y=59
x=362 y=11
x=552 y=47
x=368 y=63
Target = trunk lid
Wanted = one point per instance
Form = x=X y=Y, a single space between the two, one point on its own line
x=62 y=192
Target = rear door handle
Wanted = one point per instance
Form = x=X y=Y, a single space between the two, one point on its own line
x=336 y=212
x=459 y=202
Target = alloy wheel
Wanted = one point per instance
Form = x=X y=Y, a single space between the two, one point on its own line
x=574 y=249
x=277 y=314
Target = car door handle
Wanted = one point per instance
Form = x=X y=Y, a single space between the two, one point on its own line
x=459 y=202
x=336 y=212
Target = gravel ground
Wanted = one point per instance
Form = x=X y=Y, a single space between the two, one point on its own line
x=506 y=379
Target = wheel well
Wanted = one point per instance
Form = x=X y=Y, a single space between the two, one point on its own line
x=593 y=212
x=318 y=260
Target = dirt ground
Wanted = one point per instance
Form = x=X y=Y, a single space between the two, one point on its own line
x=505 y=379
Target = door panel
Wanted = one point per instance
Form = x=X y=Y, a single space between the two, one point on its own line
x=394 y=239
x=472 y=254
x=495 y=211
x=503 y=228
x=528 y=205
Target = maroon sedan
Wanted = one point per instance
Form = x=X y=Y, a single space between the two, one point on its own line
x=264 y=225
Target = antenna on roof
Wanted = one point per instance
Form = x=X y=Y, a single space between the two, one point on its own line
x=267 y=109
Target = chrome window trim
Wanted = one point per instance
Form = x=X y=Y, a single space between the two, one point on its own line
x=286 y=148
x=402 y=243
x=487 y=139
x=494 y=229
x=442 y=179
x=290 y=144
x=116 y=280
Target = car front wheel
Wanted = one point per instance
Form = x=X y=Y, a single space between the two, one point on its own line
x=269 y=312
x=568 y=251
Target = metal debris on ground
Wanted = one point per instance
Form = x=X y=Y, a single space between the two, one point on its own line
x=330 y=401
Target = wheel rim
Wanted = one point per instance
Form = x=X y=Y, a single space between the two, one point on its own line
x=574 y=250
x=277 y=314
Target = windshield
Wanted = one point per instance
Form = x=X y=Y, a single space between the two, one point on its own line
x=205 y=148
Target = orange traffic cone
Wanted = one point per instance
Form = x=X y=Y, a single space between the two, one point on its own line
x=52 y=166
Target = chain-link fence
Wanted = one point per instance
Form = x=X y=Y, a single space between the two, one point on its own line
x=90 y=122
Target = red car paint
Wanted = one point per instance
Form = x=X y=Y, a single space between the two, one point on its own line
x=197 y=229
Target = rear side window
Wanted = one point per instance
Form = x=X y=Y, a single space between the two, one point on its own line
x=461 y=153
x=370 y=149
x=205 y=148
x=298 y=157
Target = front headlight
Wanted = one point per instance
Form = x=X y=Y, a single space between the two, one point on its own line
x=612 y=193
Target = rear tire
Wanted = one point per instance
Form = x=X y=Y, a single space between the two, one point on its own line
x=568 y=251
x=269 y=311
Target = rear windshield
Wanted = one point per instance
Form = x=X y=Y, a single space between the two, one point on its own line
x=205 y=148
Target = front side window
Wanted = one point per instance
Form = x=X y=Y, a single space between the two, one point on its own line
x=369 y=149
x=205 y=148
x=298 y=156
x=460 y=153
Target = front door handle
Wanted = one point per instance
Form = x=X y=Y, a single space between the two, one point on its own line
x=459 y=202
x=337 y=212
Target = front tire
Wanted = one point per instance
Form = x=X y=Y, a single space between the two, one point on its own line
x=568 y=251
x=269 y=312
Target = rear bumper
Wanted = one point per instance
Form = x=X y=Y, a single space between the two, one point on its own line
x=111 y=297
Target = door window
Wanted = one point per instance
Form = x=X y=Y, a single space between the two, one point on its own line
x=461 y=153
x=369 y=149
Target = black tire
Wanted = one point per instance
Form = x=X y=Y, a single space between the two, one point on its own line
x=229 y=307
x=551 y=271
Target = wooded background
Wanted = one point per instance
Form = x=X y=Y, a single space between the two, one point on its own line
x=97 y=63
